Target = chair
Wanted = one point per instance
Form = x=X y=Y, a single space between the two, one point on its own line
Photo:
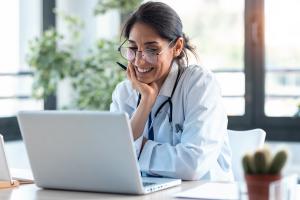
x=242 y=142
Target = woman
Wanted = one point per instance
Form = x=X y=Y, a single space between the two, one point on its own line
x=178 y=121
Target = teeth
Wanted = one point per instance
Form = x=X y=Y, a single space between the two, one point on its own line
x=143 y=70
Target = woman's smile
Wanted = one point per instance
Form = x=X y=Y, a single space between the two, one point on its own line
x=143 y=71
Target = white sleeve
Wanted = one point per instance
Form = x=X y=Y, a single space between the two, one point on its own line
x=116 y=106
x=201 y=139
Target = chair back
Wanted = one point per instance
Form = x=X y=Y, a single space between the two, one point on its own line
x=242 y=142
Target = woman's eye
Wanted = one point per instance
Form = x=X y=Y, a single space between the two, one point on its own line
x=152 y=50
x=133 y=48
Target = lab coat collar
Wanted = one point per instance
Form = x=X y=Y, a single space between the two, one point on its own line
x=167 y=86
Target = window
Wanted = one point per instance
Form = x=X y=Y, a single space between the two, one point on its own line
x=253 y=47
x=218 y=34
x=20 y=22
x=16 y=79
x=282 y=36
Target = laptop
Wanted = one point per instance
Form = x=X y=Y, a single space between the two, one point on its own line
x=85 y=150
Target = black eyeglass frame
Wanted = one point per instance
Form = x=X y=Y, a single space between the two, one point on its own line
x=156 y=54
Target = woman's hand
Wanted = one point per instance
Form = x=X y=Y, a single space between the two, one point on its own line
x=148 y=92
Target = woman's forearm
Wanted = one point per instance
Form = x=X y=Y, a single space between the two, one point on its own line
x=140 y=117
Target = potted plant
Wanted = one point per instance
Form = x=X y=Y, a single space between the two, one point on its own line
x=93 y=76
x=261 y=168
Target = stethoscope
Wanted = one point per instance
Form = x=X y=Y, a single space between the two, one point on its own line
x=169 y=101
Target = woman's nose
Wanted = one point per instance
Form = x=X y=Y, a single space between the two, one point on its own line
x=139 y=59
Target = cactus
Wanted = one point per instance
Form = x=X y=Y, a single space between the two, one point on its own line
x=247 y=164
x=278 y=162
x=263 y=163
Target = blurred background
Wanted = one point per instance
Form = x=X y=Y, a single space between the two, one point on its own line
x=61 y=55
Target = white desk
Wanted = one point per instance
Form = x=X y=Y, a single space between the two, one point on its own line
x=31 y=192
x=18 y=159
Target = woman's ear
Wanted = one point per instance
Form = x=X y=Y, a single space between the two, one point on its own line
x=178 y=47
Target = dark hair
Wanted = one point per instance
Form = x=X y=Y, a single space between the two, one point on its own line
x=165 y=21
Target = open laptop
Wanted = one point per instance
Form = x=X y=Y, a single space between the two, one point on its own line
x=85 y=150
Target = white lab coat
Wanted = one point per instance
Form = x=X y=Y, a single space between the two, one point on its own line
x=195 y=146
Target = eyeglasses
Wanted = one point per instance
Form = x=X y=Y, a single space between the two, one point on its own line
x=149 y=55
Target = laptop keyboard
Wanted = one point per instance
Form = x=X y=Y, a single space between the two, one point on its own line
x=147 y=183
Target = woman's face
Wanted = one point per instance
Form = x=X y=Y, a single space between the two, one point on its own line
x=143 y=39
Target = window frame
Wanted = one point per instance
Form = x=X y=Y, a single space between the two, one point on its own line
x=277 y=128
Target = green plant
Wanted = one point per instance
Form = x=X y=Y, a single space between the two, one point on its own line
x=98 y=77
x=52 y=58
x=297 y=114
x=50 y=61
x=93 y=77
x=125 y=6
x=262 y=162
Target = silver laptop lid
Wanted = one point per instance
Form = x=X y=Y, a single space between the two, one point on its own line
x=81 y=150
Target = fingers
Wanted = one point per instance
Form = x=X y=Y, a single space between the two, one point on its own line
x=131 y=76
x=131 y=73
x=128 y=72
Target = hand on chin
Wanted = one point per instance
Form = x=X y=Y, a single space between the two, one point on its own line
x=146 y=87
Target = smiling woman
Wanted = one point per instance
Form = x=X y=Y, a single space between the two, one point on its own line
x=178 y=121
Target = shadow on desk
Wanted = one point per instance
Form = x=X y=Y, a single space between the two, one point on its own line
x=76 y=195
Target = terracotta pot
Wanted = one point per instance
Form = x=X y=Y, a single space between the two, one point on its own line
x=258 y=185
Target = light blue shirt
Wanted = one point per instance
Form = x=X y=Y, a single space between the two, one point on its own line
x=195 y=145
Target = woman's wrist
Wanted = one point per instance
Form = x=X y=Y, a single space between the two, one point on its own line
x=147 y=102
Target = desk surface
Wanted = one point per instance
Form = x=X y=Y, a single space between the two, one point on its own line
x=30 y=192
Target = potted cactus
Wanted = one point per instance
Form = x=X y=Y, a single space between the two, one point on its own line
x=261 y=168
